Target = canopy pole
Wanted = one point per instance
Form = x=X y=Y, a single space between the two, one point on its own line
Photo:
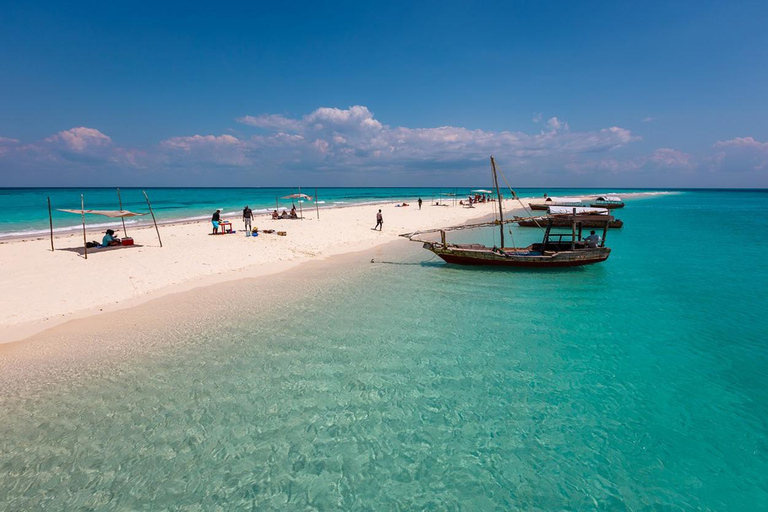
x=277 y=205
x=317 y=208
x=50 y=222
x=82 y=212
x=301 y=210
x=153 y=217
x=120 y=200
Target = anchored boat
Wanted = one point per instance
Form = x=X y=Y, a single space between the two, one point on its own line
x=556 y=201
x=569 y=249
x=559 y=217
x=610 y=202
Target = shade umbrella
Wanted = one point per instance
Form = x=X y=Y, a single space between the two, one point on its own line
x=299 y=196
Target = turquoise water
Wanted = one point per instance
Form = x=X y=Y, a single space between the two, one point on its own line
x=408 y=384
x=25 y=210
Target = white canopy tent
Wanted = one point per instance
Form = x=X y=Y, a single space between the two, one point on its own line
x=112 y=214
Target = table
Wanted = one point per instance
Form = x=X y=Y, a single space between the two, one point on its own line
x=226 y=226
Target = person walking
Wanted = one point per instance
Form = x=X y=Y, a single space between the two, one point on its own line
x=247 y=217
x=379 y=221
x=419 y=203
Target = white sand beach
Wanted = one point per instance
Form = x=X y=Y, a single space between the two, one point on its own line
x=42 y=289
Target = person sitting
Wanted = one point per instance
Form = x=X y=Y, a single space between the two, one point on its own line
x=293 y=213
x=593 y=240
x=109 y=239
x=284 y=215
x=275 y=215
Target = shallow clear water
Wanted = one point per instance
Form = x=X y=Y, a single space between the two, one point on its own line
x=408 y=384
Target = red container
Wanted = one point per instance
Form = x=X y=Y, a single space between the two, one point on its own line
x=127 y=241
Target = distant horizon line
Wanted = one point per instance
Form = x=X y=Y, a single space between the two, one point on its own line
x=384 y=187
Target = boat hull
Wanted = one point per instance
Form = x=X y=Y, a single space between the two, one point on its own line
x=545 y=206
x=609 y=206
x=521 y=258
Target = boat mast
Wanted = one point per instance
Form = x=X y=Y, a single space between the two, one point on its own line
x=498 y=194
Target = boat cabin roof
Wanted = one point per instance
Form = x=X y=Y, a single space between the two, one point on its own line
x=615 y=199
x=562 y=200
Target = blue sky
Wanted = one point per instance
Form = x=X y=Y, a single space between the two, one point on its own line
x=655 y=94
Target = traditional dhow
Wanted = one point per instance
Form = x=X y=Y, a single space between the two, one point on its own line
x=610 y=202
x=569 y=249
x=556 y=201
x=559 y=215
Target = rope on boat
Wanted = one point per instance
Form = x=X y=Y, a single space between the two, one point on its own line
x=515 y=197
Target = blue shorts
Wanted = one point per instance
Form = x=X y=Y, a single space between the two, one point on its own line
x=215 y=224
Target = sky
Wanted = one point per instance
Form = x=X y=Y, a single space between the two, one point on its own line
x=562 y=94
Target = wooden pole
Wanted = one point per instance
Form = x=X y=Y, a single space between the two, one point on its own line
x=317 y=208
x=498 y=194
x=153 y=217
x=120 y=200
x=573 y=230
x=82 y=213
x=50 y=222
x=301 y=210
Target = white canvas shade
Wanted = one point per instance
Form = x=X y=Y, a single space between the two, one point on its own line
x=114 y=214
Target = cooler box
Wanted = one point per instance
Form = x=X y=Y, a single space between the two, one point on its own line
x=126 y=241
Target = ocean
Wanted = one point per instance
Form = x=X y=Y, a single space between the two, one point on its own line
x=26 y=209
x=408 y=384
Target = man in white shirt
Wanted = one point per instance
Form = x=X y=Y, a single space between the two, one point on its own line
x=593 y=240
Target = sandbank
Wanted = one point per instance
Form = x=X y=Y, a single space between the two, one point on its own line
x=42 y=289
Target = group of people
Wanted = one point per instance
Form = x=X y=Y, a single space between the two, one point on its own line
x=285 y=214
x=248 y=217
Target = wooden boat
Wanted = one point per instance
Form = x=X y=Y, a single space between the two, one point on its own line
x=555 y=250
x=610 y=202
x=560 y=222
x=556 y=201
x=559 y=217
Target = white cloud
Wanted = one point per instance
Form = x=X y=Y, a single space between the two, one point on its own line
x=354 y=142
x=671 y=158
x=271 y=122
x=649 y=119
x=219 y=149
x=555 y=124
x=80 y=139
x=743 y=142
x=537 y=117
x=353 y=137
x=7 y=145
x=742 y=152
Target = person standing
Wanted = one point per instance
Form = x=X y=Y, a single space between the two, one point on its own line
x=247 y=217
x=419 y=203
x=215 y=219
x=379 y=221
